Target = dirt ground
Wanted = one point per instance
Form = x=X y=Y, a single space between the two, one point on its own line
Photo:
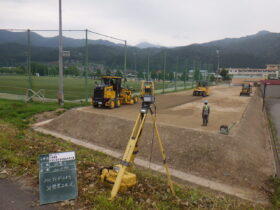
x=242 y=159
x=181 y=109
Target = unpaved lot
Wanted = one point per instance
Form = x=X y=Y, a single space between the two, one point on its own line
x=242 y=159
x=181 y=109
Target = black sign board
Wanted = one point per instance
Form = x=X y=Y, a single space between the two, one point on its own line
x=57 y=177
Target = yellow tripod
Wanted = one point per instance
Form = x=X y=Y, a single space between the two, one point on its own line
x=132 y=148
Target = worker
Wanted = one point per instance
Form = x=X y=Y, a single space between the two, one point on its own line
x=205 y=113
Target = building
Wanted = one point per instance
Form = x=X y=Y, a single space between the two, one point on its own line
x=243 y=75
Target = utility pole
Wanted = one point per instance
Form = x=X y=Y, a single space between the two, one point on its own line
x=86 y=67
x=185 y=76
x=164 y=69
x=29 y=63
x=218 y=65
x=124 y=65
x=61 y=92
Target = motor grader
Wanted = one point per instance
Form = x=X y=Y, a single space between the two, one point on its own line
x=201 y=89
x=246 y=90
x=110 y=93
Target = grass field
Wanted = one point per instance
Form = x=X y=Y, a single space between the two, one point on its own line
x=74 y=88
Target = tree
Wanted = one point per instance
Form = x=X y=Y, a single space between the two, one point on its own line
x=212 y=78
x=98 y=72
x=184 y=76
x=170 y=76
x=108 y=72
x=119 y=73
x=154 y=74
x=40 y=68
x=224 y=74
x=71 y=70
x=197 y=75
x=140 y=75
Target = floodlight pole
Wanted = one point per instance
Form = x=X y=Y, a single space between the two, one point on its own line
x=124 y=65
x=148 y=68
x=164 y=68
x=185 y=76
x=218 y=65
x=61 y=92
x=176 y=73
x=86 y=67
x=135 y=65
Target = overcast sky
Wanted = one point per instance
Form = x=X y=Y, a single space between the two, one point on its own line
x=163 y=22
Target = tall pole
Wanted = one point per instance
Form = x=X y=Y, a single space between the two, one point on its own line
x=29 y=62
x=185 y=78
x=124 y=65
x=86 y=67
x=194 y=70
x=164 y=69
x=135 y=65
x=218 y=65
x=148 y=76
x=176 y=73
x=61 y=92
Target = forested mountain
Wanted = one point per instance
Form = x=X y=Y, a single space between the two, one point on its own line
x=38 y=40
x=250 y=51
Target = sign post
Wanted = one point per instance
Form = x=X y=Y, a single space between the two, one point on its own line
x=57 y=177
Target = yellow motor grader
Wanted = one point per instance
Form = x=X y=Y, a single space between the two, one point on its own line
x=109 y=93
x=246 y=90
x=201 y=89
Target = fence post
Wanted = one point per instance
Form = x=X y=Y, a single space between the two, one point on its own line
x=164 y=68
x=86 y=67
x=176 y=73
x=124 y=65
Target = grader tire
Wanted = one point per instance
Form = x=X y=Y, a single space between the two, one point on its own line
x=112 y=104
x=135 y=98
x=118 y=103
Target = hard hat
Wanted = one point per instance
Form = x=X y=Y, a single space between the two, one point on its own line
x=206 y=102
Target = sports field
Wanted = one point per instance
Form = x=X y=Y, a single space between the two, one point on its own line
x=74 y=88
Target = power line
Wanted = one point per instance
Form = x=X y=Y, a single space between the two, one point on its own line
x=107 y=36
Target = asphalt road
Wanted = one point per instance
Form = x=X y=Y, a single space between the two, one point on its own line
x=14 y=197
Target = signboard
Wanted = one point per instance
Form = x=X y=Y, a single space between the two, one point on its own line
x=57 y=177
x=66 y=53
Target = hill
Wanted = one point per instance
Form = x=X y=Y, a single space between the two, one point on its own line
x=41 y=41
x=249 y=51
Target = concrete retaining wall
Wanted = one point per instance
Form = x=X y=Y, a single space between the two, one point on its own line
x=272 y=91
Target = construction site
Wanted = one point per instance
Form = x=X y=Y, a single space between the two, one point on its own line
x=239 y=164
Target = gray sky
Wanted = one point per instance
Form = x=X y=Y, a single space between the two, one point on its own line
x=163 y=22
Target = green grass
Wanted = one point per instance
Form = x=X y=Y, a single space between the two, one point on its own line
x=275 y=180
x=74 y=88
x=20 y=148
x=18 y=113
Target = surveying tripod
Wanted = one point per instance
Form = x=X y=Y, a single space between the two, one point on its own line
x=132 y=146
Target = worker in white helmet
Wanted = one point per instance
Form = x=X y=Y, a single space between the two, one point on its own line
x=205 y=113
